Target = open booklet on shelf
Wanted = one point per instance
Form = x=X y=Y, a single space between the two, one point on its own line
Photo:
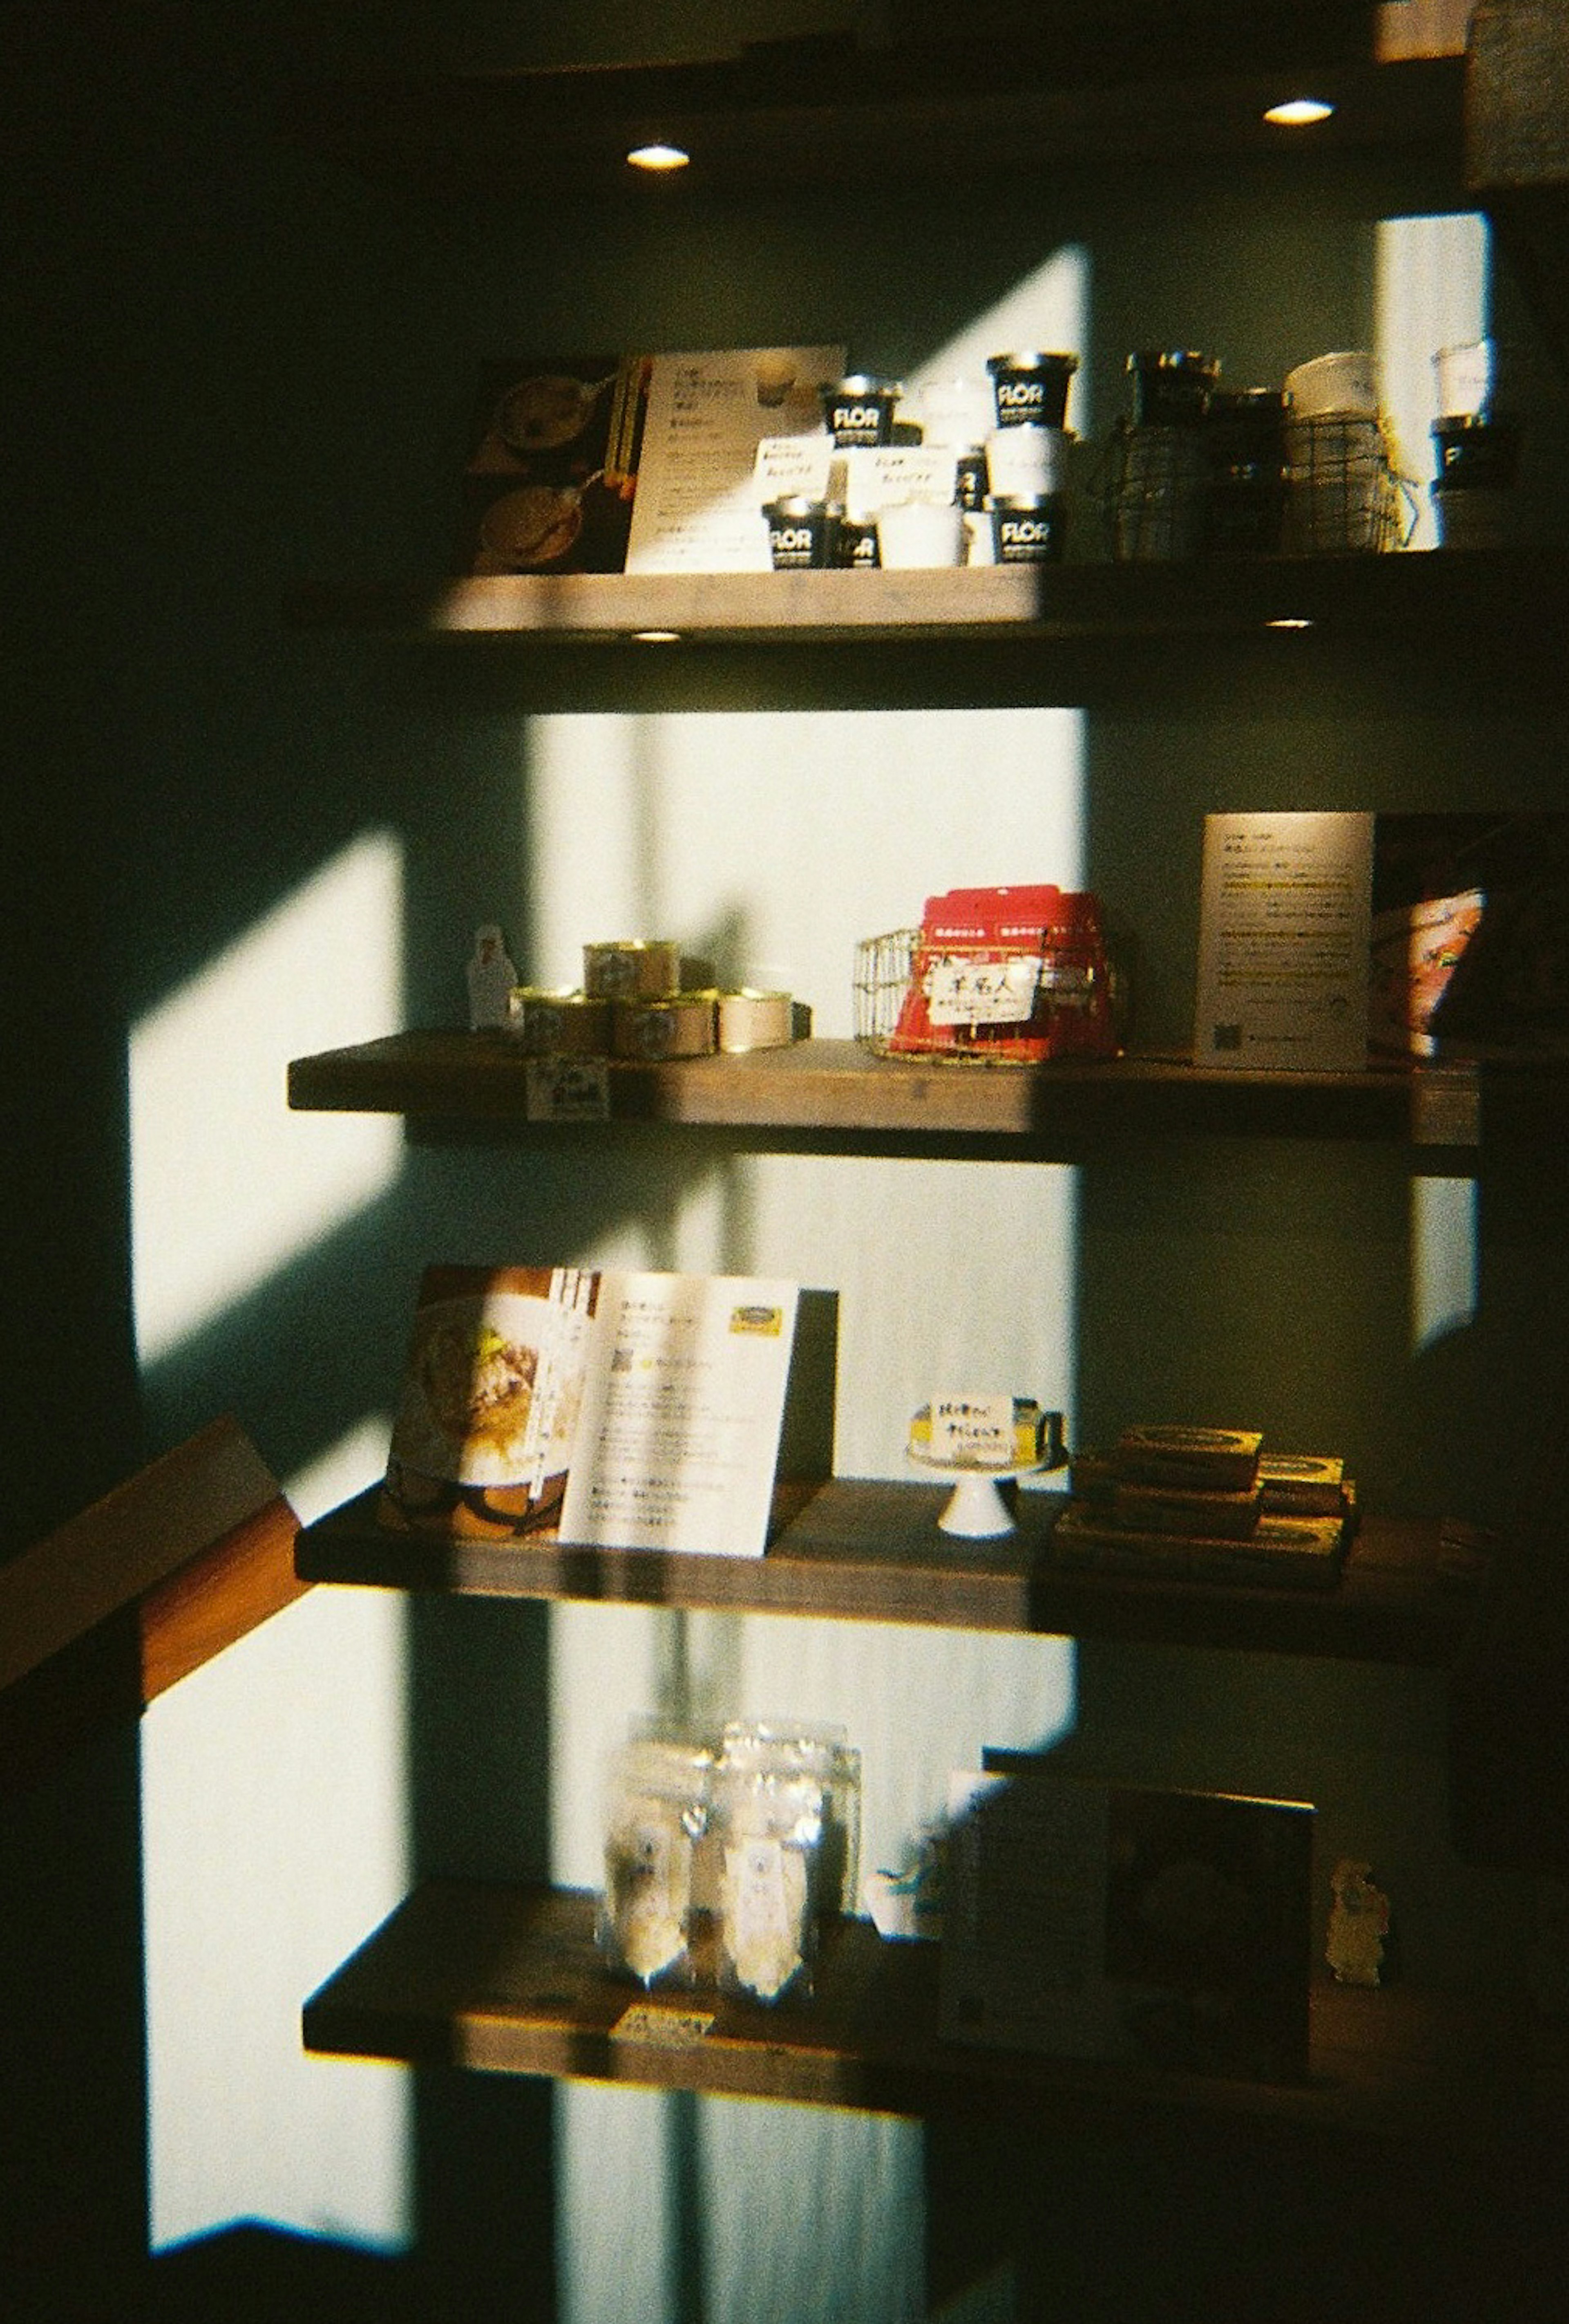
x=626 y=1410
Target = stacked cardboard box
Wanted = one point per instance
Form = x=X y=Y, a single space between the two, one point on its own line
x=1207 y=1505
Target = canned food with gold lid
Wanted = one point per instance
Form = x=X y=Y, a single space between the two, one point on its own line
x=684 y=1027
x=559 y=1024
x=632 y=969
x=755 y=1020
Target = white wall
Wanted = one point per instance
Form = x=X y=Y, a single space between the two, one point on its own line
x=788 y=837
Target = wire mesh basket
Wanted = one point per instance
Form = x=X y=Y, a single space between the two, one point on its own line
x=1062 y=1002
x=1344 y=495
x=1168 y=498
x=883 y=969
x=1155 y=495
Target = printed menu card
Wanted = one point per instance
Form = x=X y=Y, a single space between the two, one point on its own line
x=698 y=507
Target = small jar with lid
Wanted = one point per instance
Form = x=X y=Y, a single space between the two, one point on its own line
x=1244 y=434
x=1171 y=386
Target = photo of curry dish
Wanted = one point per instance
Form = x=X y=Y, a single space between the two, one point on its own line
x=469 y=1390
x=535 y=525
x=477 y=1384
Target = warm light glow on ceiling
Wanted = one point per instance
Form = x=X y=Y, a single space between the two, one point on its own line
x=1299 y=112
x=657 y=155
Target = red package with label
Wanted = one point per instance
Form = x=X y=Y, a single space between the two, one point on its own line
x=1018 y=974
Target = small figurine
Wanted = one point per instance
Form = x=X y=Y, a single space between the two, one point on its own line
x=1359 y=1921
x=492 y=977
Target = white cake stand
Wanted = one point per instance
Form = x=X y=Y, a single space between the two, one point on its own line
x=976 y=1509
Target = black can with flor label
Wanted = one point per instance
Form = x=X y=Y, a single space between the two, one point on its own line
x=860 y=410
x=800 y=533
x=1029 y=528
x=1029 y=388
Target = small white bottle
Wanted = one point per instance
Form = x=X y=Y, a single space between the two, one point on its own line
x=492 y=977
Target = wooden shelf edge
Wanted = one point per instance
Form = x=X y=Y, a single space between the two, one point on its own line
x=838 y=1088
x=1118 y=83
x=1435 y=588
x=870 y=1550
x=506 y=1979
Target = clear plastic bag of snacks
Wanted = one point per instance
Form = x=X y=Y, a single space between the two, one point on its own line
x=786 y=1810
x=657 y=1808
x=821 y=1750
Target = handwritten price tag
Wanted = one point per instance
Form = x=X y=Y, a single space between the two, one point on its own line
x=975 y=1430
x=982 y=992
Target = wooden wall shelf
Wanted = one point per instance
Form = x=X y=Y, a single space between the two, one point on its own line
x=862 y=1550
x=505 y=1979
x=1120 y=81
x=835 y=1096
x=1428 y=595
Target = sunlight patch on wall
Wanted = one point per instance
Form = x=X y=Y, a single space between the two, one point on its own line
x=226 y=1184
x=1444 y=1259
x=1431 y=292
x=770 y=842
x=1048 y=308
x=274 y=1834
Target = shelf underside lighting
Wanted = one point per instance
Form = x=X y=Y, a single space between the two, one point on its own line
x=1299 y=111
x=657 y=154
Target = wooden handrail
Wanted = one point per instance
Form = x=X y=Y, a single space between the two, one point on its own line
x=140 y=1589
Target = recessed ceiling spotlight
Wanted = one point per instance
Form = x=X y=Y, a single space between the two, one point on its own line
x=658 y=155
x=1288 y=622
x=655 y=637
x=1299 y=112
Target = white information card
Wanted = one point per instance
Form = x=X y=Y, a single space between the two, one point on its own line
x=683 y=1407
x=1283 y=949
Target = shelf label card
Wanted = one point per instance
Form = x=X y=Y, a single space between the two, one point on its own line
x=683 y=1401
x=793 y=466
x=568 y=1089
x=667 y=2029
x=964 y=992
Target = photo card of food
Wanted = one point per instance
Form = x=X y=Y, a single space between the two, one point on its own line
x=484 y=1425
x=1104 y=1920
x=1470 y=953
x=624 y=1410
x=552 y=465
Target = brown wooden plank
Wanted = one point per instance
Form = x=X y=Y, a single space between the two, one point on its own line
x=219 y=1596
x=870 y=1550
x=837 y=1090
x=138 y=1591
x=134 y=1538
x=1443 y=594
x=506 y=1979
